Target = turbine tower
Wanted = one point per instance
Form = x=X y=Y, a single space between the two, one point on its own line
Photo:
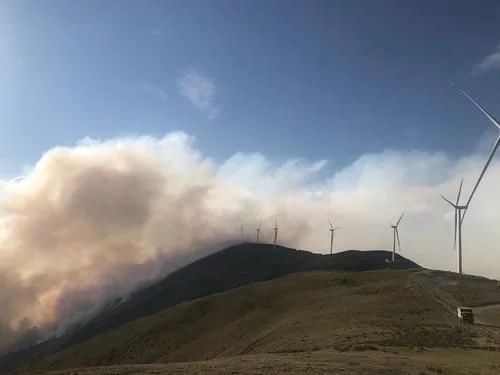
x=275 y=232
x=258 y=231
x=458 y=225
x=396 y=236
x=332 y=232
x=494 y=149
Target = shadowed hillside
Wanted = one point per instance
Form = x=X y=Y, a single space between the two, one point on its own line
x=368 y=313
x=230 y=268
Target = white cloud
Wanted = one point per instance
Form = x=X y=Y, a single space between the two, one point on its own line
x=200 y=90
x=90 y=222
x=157 y=33
x=153 y=90
x=490 y=62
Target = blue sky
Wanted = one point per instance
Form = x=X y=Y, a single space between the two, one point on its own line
x=320 y=80
x=257 y=83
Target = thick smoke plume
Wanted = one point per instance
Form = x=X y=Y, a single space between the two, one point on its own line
x=91 y=223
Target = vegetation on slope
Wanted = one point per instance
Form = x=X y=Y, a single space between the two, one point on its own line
x=321 y=362
x=231 y=268
x=461 y=290
x=368 y=311
x=227 y=269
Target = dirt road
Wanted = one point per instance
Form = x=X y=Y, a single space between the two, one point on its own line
x=487 y=315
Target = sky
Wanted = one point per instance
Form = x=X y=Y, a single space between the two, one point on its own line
x=139 y=133
x=319 y=80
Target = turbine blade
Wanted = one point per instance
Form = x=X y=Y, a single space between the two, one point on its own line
x=397 y=236
x=485 y=112
x=331 y=225
x=447 y=201
x=400 y=219
x=495 y=147
x=460 y=191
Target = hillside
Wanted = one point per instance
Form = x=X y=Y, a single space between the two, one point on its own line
x=375 y=315
x=322 y=362
x=480 y=293
x=461 y=290
x=227 y=269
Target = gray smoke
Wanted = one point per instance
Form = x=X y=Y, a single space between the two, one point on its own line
x=89 y=224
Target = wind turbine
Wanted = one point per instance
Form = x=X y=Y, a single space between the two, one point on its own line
x=275 y=232
x=458 y=225
x=332 y=231
x=241 y=230
x=492 y=153
x=396 y=236
x=258 y=231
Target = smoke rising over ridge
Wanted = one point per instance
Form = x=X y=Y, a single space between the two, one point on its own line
x=92 y=222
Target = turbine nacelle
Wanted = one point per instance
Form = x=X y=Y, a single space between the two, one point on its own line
x=332 y=228
x=258 y=228
x=399 y=220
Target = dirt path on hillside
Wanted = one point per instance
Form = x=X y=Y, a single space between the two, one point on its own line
x=433 y=293
x=488 y=315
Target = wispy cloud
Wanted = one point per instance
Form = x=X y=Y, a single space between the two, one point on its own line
x=153 y=90
x=490 y=62
x=200 y=90
x=157 y=33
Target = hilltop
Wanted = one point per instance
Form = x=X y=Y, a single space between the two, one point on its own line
x=375 y=322
x=230 y=268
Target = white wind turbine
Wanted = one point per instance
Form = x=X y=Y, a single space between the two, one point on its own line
x=332 y=232
x=494 y=149
x=458 y=225
x=275 y=232
x=258 y=231
x=396 y=236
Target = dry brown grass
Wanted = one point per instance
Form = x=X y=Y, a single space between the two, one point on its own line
x=396 y=361
x=377 y=322
x=461 y=290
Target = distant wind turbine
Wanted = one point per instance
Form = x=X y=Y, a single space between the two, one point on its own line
x=396 y=236
x=241 y=230
x=275 y=232
x=492 y=153
x=258 y=231
x=458 y=225
x=332 y=232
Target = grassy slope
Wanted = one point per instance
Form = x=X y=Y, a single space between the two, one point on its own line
x=460 y=290
x=338 y=312
x=325 y=362
x=230 y=268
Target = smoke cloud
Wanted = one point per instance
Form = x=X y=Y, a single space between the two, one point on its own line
x=90 y=223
